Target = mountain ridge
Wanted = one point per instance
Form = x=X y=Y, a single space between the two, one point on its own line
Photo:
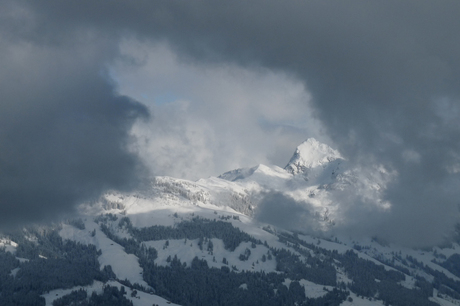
x=159 y=244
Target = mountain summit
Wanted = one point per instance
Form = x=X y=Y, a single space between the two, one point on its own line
x=311 y=154
x=255 y=236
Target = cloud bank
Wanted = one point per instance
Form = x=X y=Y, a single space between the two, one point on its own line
x=64 y=132
x=383 y=77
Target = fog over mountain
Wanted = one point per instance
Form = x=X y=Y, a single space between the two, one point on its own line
x=381 y=79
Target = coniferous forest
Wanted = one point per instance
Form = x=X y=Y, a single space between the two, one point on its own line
x=49 y=262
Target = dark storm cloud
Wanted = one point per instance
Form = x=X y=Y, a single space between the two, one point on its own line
x=283 y=211
x=64 y=133
x=384 y=76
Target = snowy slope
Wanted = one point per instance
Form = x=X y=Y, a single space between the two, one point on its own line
x=143 y=212
x=186 y=250
x=316 y=177
x=141 y=298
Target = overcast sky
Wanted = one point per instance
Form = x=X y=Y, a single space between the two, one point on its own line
x=92 y=92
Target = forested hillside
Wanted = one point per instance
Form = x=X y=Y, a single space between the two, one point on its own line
x=214 y=258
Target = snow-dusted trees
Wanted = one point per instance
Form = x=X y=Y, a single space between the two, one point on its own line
x=111 y=296
x=196 y=229
x=52 y=263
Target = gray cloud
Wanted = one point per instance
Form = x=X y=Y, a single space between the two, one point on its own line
x=64 y=133
x=284 y=212
x=384 y=76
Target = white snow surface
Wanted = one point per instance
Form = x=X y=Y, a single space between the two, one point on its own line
x=125 y=266
x=311 y=154
x=9 y=245
x=312 y=290
x=324 y=181
x=141 y=298
x=359 y=301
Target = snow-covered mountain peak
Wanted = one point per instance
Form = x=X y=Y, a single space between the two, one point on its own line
x=311 y=154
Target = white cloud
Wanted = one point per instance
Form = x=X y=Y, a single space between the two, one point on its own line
x=208 y=119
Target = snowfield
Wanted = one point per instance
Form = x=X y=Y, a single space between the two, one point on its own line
x=118 y=225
